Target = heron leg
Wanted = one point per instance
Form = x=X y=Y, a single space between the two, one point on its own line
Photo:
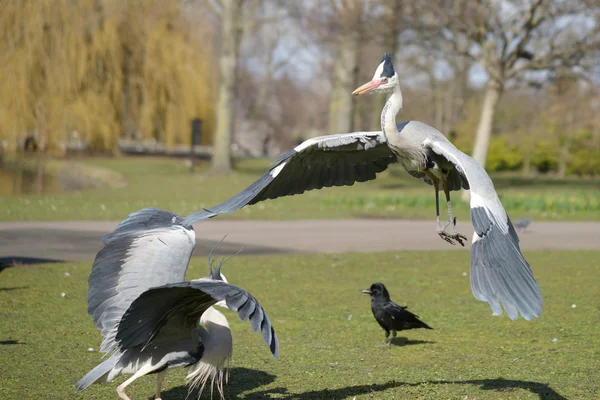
x=141 y=372
x=452 y=220
x=441 y=230
x=159 y=380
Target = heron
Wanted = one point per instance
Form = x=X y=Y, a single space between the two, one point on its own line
x=152 y=320
x=500 y=275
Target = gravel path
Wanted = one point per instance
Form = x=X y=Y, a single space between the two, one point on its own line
x=32 y=242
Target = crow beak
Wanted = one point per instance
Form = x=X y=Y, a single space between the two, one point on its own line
x=366 y=291
x=367 y=87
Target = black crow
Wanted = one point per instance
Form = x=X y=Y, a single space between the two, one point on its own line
x=390 y=315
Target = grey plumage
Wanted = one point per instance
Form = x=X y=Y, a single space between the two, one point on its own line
x=97 y=373
x=500 y=274
x=334 y=160
x=149 y=249
x=151 y=310
x=148 y=315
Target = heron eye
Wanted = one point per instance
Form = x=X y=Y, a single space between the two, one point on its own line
x=384 y=80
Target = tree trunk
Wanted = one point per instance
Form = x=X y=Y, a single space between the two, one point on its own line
x=486 y=122
x=484 y=129
x=221 y=160
x=341 y=104
x=564 y=150
x=390 y=43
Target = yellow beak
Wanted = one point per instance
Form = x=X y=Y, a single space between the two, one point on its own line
x=367 y=87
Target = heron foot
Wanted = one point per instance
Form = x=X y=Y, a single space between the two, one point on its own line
x=453 y=236
x=121 y=393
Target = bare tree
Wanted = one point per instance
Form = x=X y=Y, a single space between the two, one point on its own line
x=231 y=35
x=347 y=25
x=511 y=39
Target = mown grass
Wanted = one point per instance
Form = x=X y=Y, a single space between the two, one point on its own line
x=168 y=184
x=329 y=339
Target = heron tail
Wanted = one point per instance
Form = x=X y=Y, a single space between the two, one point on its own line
x=98 y=372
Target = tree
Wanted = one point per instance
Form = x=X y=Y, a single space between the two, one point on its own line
x=102 y=69
x=341 y=104
x=511 y=40
x=231 y=29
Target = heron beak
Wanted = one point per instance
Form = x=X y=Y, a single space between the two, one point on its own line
x=367 y=87
x=366 y=291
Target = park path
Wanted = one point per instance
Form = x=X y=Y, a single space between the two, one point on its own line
x=32 y=242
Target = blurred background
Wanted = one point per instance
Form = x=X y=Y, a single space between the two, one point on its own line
x=514 y=83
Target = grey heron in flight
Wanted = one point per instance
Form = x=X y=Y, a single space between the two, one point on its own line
x=500 y=275
x=152 y=320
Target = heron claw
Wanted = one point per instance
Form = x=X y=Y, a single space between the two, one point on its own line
x=451 y=237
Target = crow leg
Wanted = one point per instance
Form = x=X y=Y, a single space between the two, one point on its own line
x=385 y=341
x=159 y=380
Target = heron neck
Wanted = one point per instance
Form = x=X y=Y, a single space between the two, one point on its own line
x=390 y=110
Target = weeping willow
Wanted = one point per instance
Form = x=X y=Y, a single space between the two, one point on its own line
x=103 y=68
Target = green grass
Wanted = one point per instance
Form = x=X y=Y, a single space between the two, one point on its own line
x=324 y=353
x=168 y=184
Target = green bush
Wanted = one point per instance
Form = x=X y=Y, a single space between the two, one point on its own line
x=503 y=155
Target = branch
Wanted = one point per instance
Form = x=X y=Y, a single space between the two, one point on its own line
x=569 y=55
x=528 y=27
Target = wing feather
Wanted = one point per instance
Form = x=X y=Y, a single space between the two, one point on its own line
x=150 y=248
x=334 y=160
x=500 y=275
x=146 y=315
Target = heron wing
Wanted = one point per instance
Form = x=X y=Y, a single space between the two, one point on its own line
x=153 y=308
x=334 y=160
x=150 y=248
x=499 y=272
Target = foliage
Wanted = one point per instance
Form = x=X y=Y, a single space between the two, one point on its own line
x=102 y=68
x=328 y=337
x=503 y=155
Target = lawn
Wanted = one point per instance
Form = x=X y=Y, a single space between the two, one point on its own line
x=328 y=337
x=168 y=184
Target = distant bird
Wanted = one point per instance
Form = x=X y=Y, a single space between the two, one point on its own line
x=389 y=315
x=500 y=275
x=153 y=320
x=522 y=224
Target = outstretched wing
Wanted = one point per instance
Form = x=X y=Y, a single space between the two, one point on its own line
x=153 y=308
x=334 y=160
x=150 y=248
x=499 y=272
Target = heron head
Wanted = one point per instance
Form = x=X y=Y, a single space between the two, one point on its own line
x=377 y=290
x=384 y=80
